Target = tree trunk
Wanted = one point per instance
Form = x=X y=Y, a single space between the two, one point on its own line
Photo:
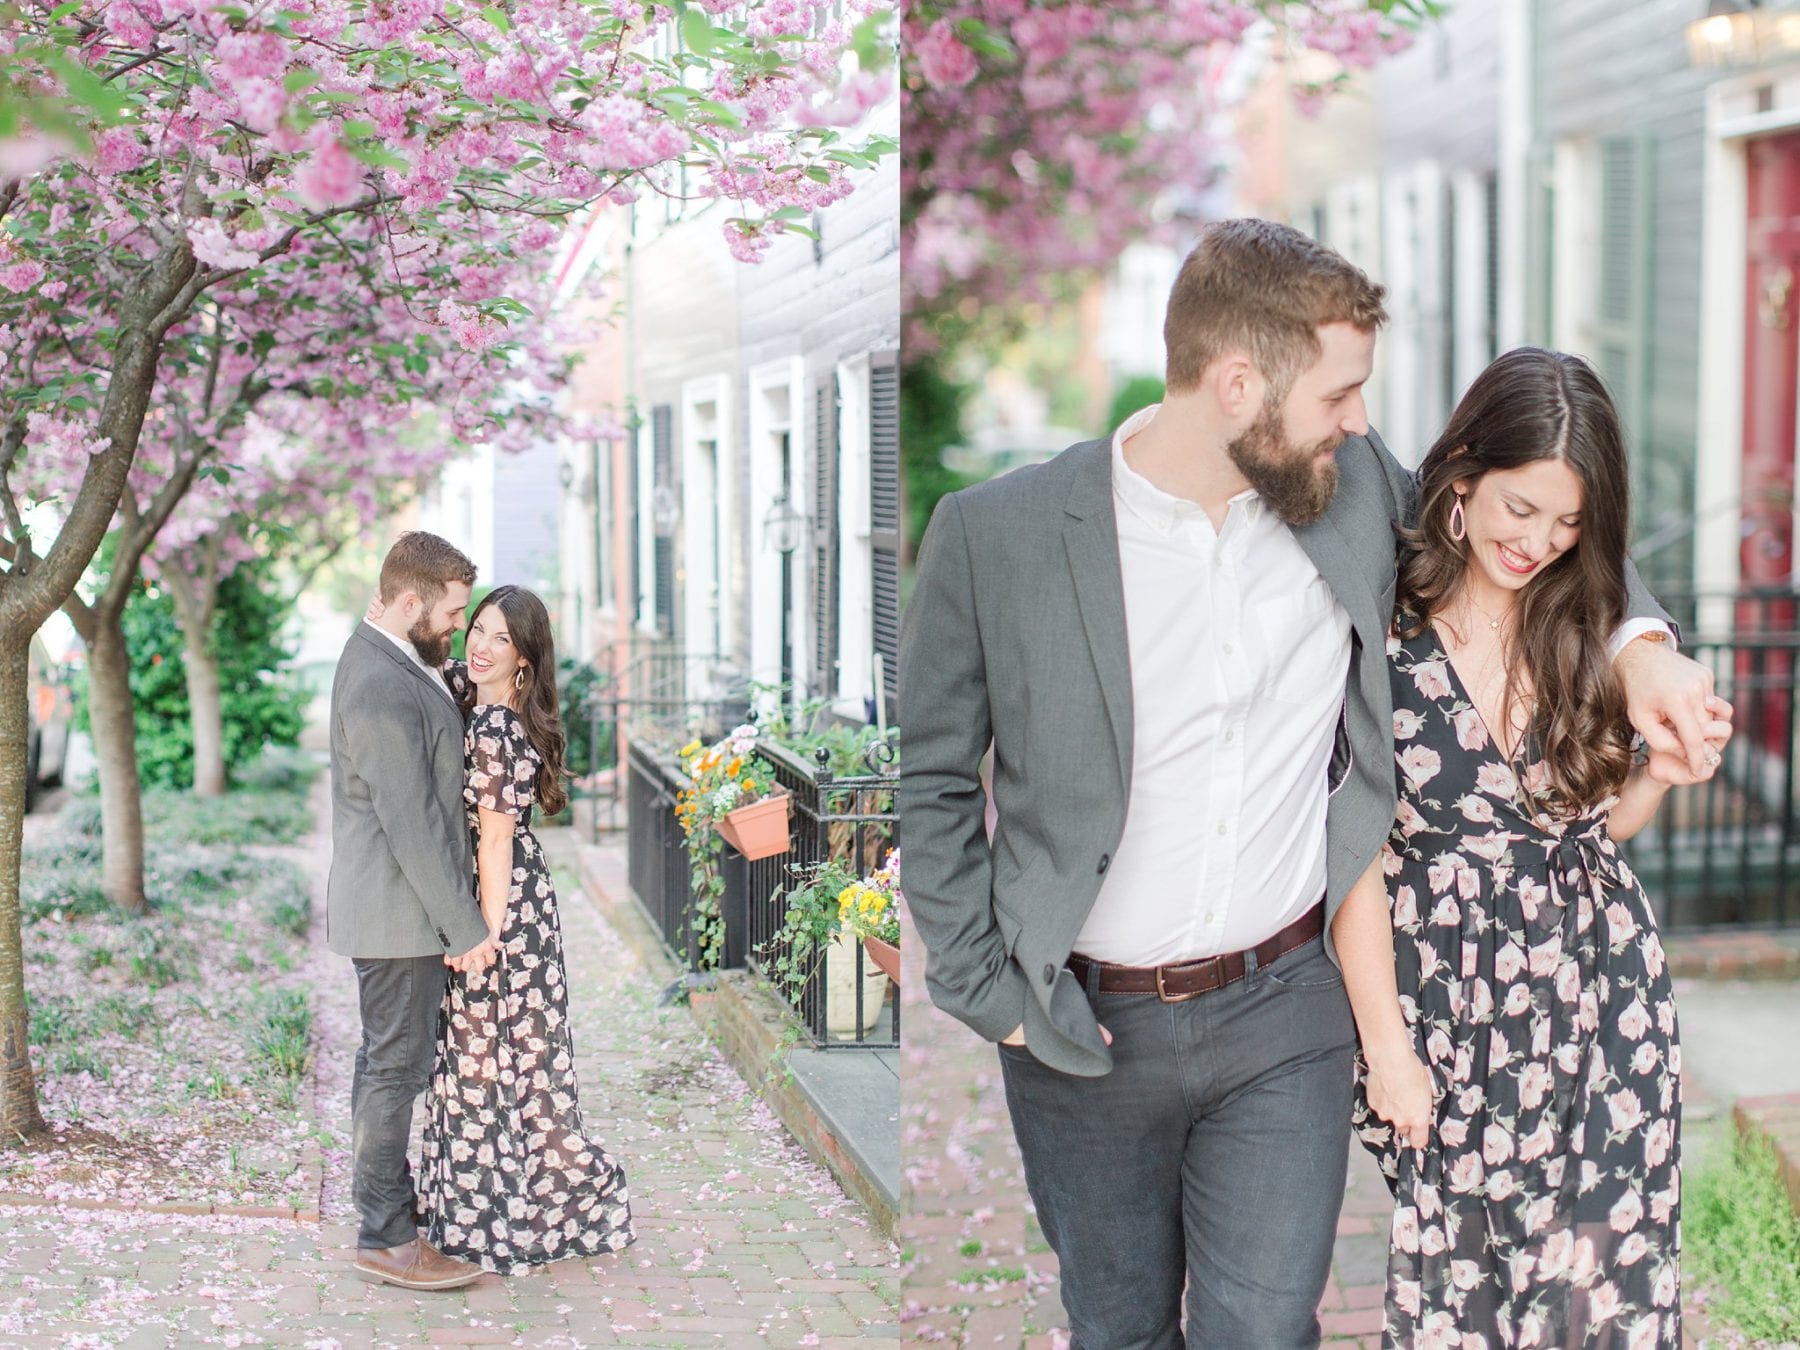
x=19 y=1114
x=194 y=597
x=114 y=722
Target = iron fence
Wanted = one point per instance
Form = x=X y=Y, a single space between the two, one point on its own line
x=848 y=818
x=1727 y=852
x=845 y=1000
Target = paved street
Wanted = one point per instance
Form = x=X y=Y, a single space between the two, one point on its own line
x=741 y=1239
x=977 y=1269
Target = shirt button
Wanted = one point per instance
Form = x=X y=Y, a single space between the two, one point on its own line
x=1228 y=649
x=1228 y=735
x=1224 y=830
x=1105 y=862
x=1049 y=974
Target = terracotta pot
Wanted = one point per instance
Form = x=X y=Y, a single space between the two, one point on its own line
x=884 y=954
x=759 y=830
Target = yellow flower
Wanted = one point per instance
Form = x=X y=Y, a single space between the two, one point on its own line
x=691 y=748
x=731 y=769
x=711 y=761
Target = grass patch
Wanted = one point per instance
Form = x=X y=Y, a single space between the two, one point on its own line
x=1740 y=1234
x=992 y=1276
x=240 y=817
x=282 y=1031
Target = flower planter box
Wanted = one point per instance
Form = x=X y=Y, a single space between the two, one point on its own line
x=759 y=830
x=840 y=990
x=885 y=955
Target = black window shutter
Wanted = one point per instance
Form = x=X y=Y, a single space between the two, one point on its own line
x=884 y=518
x=662 y=443
x=825 y=537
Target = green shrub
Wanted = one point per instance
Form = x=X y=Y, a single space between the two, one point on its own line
x=262 y=702
x=282 y=1030
x=1740 y=1233
x=1136 y=394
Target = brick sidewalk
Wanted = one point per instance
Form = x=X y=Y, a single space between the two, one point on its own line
x=975 y=1268
x=742 y=1240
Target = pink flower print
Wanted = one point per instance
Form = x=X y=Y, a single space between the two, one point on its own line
x=1568 y=982
x=1432 y=1240
x=1465 y=1173
x=1635 y=1020
x=1496 y=779
x=1646 y=1058
x=1604 y=1303
x=1663 y=1292
x=1627 y=1213
x=1406 y=816
x=1454 y=1133
x=1586 y=1264
x=1406 y=724
x=1531 y=1331
x=1646 y=1332
x=1500 y=1184
x=1468 y=883
x=1500 y=1051
x=1488 y=847
x=1405 y=907
x=1538 y=1143
x=1520 y=1268
x=1508 y=962
x=1405 y=1230
x=1535 y=1084
x=1621 y=927
x=1432 y=679
x=1658 y=1140
x=1477 y=809
x=1441 y=874
x=1532 y=894
x=1446 y=914
x=1496 y=1145
x=1665 y=1017
x=1559 y=1248
x=1652 y=949
x=1420 y=764
x=1625 y=1110
x=1471 y=731
x=1518 y=998
x=1481 y=1001
x=1437 y=1046
x=1406 y=1296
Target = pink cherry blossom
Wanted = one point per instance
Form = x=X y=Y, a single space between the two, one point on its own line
x=329 y=177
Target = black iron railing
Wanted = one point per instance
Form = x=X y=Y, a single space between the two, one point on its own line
x=849 y=819
x=1727 y=852
x=845 y=1000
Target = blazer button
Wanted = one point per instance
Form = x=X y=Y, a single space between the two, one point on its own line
x=442 y=939
x=1049 y=974
x=1105 y=862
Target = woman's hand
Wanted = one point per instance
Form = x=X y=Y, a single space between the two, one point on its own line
x=376 y=609
x=1400 y=1092
x=1671 y=768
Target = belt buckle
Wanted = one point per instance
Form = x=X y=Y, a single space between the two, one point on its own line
x=1163 y=995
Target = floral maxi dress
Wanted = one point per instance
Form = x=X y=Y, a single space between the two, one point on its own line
x=510 y=1177
x=1544 y=1210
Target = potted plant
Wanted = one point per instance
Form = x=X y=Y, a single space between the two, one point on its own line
x=814 y=932
x=732 y=797
x=870 y=909
x=735 y=792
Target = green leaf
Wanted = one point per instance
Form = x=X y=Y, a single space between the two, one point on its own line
x=697 y=32
x=300 y=79
x=497 y=16
x=379 y=156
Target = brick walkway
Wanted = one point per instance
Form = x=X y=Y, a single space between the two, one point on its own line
x=742 y=1240
x=977 y=1271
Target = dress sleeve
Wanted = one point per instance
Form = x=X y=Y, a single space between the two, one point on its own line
x=502 y=765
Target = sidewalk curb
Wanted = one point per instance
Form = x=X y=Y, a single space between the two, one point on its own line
x=749 y=1033
x=1734 y=955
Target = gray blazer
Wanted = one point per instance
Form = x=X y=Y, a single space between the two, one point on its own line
x=1015 y=636
x=401 y=879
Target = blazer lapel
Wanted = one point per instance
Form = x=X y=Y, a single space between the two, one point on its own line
x=1332 y=553
x=1091 y=536
x=381 y=644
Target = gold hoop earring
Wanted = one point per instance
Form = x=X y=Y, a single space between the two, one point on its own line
x=519 y=678
x=1459 y=530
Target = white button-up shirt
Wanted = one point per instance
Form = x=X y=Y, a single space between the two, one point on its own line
x=1239 y=653
x=405 y=645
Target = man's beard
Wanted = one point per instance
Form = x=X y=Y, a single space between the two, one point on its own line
x=1295 y=483
x=433 y=648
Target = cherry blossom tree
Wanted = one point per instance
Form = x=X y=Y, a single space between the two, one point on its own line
x=1041 y=138
x=158 y=156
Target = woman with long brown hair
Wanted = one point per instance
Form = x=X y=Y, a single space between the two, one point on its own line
x=1519 y=1078
x=509 y=1176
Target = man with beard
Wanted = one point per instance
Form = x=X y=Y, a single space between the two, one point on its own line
x=400 y=902
x=1174 y=644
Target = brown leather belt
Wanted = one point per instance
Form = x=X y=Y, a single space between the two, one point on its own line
x=1182 y=980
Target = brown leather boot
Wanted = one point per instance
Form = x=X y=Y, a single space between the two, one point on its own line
x=415 y=1265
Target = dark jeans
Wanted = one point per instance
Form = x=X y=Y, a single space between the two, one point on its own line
x=400 y=1000
x=1213 y=1155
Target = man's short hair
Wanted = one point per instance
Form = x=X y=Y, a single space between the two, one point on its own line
x=425 y=564
x=1265 y=289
